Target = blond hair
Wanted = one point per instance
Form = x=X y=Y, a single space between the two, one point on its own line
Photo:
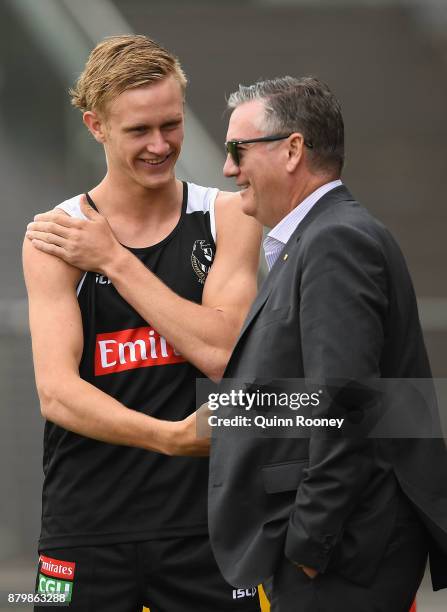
x=119 y=63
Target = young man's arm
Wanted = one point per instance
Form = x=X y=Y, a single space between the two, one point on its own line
x=204 y=334
x=66 y=399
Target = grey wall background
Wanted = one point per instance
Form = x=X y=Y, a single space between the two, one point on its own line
x=387 y=62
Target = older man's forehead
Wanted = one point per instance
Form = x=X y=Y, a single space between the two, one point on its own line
x=246 y=121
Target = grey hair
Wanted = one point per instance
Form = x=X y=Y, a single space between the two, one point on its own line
x=305 y=105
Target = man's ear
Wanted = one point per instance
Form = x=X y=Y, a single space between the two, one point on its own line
x=295 y=151
x=96 y=125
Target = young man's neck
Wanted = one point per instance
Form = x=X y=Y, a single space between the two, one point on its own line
x=139 y=217
x=118 y=199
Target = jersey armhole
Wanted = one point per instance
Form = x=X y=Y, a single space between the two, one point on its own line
x=213 y=215
x=81 y=282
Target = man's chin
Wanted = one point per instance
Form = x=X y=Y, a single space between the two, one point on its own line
x=248 y=208
x=157 y=181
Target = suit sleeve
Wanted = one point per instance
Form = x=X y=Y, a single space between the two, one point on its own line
x=343 y=306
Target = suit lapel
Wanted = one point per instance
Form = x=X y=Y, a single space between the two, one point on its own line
x=331 y=198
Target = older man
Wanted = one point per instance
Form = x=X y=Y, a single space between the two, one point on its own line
x=327 y=523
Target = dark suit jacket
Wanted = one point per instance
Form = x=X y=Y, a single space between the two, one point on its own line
x=340 y=306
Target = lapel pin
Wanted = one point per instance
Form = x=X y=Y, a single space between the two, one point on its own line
x=285 y=257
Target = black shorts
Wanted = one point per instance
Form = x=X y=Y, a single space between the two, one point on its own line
x=169 y=575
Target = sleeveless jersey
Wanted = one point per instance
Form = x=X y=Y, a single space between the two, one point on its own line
x=97 y=493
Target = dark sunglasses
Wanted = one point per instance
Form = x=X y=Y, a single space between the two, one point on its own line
x=231 y=146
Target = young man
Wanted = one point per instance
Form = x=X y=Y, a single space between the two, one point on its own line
x=117 y=349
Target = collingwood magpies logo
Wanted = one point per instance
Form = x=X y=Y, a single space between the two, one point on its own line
x=201 y=259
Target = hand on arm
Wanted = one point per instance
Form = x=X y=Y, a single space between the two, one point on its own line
x=66 y=399
x=205 y=333
x=87 y=244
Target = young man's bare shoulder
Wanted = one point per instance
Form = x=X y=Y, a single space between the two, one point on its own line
x=46 y=269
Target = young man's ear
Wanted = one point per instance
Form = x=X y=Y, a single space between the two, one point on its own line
x=96 y=125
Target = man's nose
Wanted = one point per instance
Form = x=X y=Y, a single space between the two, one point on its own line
x=230 y=167
x=157 y=144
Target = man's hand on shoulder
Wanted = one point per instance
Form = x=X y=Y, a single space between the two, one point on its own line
x=87 y=244
x=204 y=333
